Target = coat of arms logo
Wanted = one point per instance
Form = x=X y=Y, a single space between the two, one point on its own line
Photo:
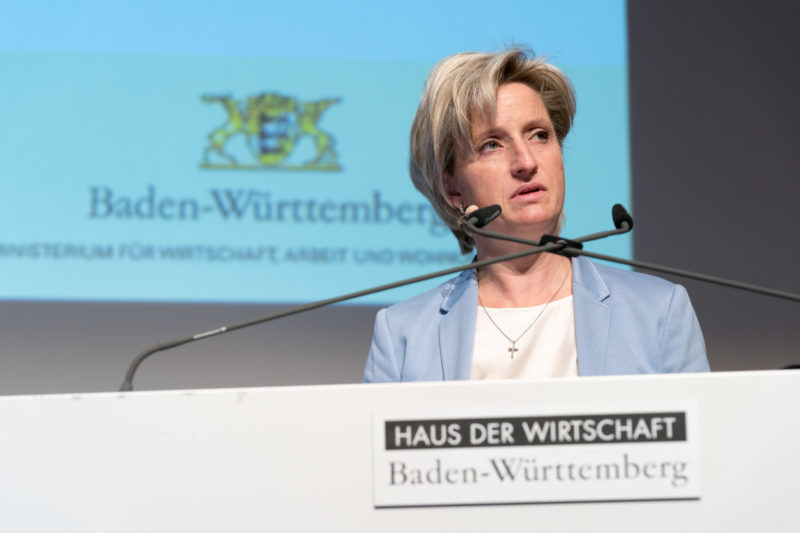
x=270 y=131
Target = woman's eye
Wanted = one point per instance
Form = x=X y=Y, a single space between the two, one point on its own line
x=489 y=146
x=541 y=135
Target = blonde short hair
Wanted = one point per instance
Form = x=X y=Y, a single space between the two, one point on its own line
x=460 y=88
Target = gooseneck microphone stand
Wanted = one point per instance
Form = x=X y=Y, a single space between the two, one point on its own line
x=474 y=223
x=474 y=220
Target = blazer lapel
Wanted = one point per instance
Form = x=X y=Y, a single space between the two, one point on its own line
x=592 y=317
x=457 y=327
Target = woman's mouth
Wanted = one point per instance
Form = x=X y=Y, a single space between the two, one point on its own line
x=528 y=191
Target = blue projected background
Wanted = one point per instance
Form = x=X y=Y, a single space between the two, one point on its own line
x=251 y=152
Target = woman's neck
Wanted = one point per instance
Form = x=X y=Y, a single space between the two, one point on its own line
x=525 y=282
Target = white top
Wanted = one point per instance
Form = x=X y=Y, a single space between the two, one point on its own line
x=546 y=350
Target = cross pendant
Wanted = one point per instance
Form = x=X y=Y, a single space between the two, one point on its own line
x=513 y=349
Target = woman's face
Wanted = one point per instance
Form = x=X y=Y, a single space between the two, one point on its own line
x=514 y=161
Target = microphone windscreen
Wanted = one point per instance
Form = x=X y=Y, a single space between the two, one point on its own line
x=480 y=217
x=620 y=215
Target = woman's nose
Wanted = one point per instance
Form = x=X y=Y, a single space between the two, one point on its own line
x=524 y=163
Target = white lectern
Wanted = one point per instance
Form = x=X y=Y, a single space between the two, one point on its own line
x=318 y=458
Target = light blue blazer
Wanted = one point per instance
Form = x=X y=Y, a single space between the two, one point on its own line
x=625 y=323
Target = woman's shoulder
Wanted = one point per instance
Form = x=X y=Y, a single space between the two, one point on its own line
x=600 y=278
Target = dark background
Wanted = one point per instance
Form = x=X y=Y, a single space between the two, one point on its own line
x=714 y=122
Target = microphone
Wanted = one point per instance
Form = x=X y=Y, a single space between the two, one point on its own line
x=478 y=216
x=491 y=212
x=624 y=222
x=621 y=216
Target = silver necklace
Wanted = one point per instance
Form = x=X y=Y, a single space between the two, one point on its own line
x=513 y=348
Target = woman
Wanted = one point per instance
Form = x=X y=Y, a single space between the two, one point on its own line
x=489 y=130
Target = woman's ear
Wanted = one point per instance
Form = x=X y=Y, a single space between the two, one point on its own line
x=451 y=190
